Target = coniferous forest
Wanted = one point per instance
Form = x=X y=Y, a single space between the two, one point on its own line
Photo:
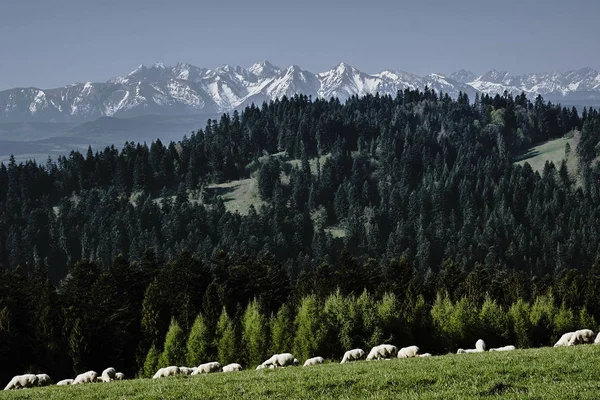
x=402 y=219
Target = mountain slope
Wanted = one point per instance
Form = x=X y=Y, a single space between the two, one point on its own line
x=185 y=89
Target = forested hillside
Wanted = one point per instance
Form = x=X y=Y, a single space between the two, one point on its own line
x=443 y=235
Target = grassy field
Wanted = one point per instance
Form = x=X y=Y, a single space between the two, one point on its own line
x=548 y=373
x=553 y=151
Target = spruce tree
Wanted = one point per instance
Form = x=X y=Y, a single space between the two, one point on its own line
x=174 y=350
x=150 y=363
x=227 y=349
x=198 y=343
x=309 y=328
x=254 y=335
x=282 y=331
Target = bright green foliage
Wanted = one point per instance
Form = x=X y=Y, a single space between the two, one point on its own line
x=390 y=320
x=150 y=363
x=564 y=321
x=494 y=324
x=254 y=335
x=198 y=343
x=521 y=325
x=541 y=317
x=338 y=323
x=282 y=331
x=227 y=349
x=174 y=349
x=586 y=321
x=369 y=328
x=457 y=324
x=310 y=332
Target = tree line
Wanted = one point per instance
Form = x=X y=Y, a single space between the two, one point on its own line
x=101 y=251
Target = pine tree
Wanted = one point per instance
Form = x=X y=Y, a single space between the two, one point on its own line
x=227 y=349
x=198 y=343
x=174 y=349
x=254 y=335
x=150 y=363
x=282 y=331
x=309 y=328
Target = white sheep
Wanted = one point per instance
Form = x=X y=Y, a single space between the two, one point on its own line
x=232 y=367
x=86 y=377
x=166 y=371
x=479 y=348
x=425 y=355
x=207 y=368
x=581 y=336
x=261 y=366
x=44 y=380
x=408 y=352
x=65 y=382
x=382 y=351
x=185 y=370
x=119 y=376
x=564 y=339
x=108 y=374
x=313 y=361
x=505 y=348
x=280 y=361
x=597 y=340
x=480 y=345
x=353 y=355
x=22 y=382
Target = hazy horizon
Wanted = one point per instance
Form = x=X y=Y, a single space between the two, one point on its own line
x=52 y=45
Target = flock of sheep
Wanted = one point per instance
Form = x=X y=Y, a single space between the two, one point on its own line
x=31 y=380
x=381 y=352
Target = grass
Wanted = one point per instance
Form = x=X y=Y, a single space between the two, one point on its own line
x=553 y=151
x=238 y=196
x=547 y=373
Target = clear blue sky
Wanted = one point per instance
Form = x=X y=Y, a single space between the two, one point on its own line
x=49 y=43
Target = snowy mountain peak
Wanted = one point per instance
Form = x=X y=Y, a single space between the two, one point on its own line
x=187 y=89
x=463 y=76
x=264 y=68
x=494 y=76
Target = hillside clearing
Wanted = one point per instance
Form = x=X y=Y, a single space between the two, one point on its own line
x=557 y=373
x=553 y=151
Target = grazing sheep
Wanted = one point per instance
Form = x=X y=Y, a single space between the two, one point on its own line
x=281 y=360
x=597 y=340
x=108 y=374
x=353 y=355
x=119 y=376
x=382 y=351
x=44 y=380
x=65 y=382
x=22 y=382
x=480 y=345
x=408 y=352
x=581 y=336
x=505 y=348
x=86 y=377
x=167 y=371
x=186 y=370
x=313 y=361
x=261 y=366
x=466 y=351
x=425 y=355
x=207 y=368
x=232 y=367
x=564 y=339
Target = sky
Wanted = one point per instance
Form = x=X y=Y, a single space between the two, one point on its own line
x=49 y=44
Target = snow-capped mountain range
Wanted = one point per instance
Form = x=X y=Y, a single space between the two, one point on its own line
x=185 y=89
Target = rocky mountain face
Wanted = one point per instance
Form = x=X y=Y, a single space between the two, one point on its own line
x=186 y=89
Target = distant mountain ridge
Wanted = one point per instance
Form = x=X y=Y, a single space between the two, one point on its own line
x=185 y=89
